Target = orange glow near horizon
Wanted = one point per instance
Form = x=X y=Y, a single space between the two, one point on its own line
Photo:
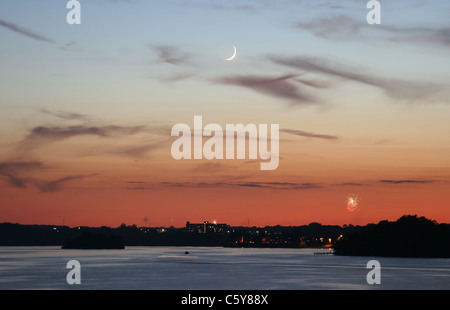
x=233 y=203
x=309 y=186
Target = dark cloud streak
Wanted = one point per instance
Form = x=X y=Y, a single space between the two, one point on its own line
x=55 y=185
x=65 y=115
x=14 y=173
x=11 y=172
x=309 y=134
x=335 y=27
x=42 y=134
x=170 y=54
x=343 y=27
x=395 y=88
x=25 y=32
x=265 y=185
x=284 y=86
x=406 y=181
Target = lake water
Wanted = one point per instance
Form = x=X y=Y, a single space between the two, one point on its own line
x=206 y=268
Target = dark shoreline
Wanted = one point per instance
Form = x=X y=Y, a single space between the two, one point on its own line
x=409 y=236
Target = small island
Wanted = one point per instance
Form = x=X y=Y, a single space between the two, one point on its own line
x=89 y=240
x=409 y=236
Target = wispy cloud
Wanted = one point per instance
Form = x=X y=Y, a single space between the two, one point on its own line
x=11 y=172
x=285 y=87
x=309 y=134
x=139 y=188
x=65 y=115
x=154 y=136
x=61 y=132
x=15 y=174
x=44 y=134
x=286 y=185
x=68 y=46
x=419 y=35
x=175 y=77
x=170 y=54
x=343 y=27
x=281 y=185
x=335 y=27
x=256 y=185
x=406 y=181
x=394 y=88
x=25 y=32
x=55 y=185
x=350 y=184
x=137 y=185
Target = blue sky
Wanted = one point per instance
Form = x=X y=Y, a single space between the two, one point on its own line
x=112 y=62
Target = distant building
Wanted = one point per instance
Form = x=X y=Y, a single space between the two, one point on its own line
x=206 y=227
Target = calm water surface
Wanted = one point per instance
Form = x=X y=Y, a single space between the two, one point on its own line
x=212 y=268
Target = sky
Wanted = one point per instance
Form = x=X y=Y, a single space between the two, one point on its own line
x=86 y=111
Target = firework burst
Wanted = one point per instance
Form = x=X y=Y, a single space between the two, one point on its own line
x=352 y=202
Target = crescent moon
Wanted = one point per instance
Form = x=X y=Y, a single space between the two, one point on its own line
x=234 y=54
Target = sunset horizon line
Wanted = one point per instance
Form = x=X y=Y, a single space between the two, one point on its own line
x=224 y=223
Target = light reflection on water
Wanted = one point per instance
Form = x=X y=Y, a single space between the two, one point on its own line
x=212 y=268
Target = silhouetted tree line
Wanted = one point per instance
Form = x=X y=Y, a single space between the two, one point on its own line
x=132 y=235
x=90 y=240
x=409 y=236
x=101 y=237
x=23 y=235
